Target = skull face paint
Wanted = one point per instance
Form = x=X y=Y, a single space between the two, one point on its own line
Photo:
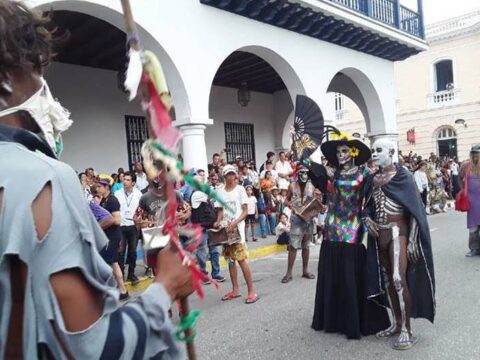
x=303 y=176
x=343 y=155
x=382 y=152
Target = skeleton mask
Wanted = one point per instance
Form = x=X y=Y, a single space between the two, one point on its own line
x=343 y=154
x=303 y=176
x=382 y=152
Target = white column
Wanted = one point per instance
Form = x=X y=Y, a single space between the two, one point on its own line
x=194 y=147
x=392 y=137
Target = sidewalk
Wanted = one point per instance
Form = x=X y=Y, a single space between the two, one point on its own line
x=256 y=250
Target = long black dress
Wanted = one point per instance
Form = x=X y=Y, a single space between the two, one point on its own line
x=341 y=303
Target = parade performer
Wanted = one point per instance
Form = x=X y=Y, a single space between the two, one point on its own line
x=399 y=239
x=300 y=193
x=470 y=183
x=50 y=265
x=341 y=303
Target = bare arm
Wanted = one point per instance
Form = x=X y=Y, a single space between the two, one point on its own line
x=106 y=223
x=116 y=218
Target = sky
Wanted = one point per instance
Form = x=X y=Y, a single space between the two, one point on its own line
x=438 y=10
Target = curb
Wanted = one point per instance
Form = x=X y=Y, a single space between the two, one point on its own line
x=254 y=254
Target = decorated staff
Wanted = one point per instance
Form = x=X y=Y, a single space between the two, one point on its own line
x=145 y=76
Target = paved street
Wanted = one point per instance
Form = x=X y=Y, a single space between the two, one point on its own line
x=278 y=326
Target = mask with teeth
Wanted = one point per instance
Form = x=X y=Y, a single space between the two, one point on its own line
x=303 y=176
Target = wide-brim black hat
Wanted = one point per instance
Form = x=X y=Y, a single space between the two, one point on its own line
x=329 y=150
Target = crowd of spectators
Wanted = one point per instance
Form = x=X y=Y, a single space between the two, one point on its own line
x=133 y=202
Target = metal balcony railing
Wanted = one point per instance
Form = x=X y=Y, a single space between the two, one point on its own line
x=391 y=13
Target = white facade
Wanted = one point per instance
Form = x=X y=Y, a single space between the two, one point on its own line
x=435 y=116
x=192 y=40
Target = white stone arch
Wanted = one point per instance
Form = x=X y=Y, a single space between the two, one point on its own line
x=356 y=85
x=111 y=13
x=288 y=75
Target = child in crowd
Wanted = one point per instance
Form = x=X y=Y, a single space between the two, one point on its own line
x=283 y=230
x=262 y=217
x=267 y=183
x=252 y=213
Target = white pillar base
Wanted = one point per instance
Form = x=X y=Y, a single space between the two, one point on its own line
x=194 y=147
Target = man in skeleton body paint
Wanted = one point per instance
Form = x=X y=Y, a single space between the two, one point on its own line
x=399 y=241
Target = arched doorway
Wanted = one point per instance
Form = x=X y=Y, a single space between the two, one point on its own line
x=84 y=77
x=446 y=142
x=251 y=102
x=354 y=94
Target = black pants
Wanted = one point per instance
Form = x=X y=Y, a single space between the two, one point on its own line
x=424 y=197
x=129 y=244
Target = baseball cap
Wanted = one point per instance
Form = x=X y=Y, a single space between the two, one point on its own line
x=475 y=149
x=229 y=169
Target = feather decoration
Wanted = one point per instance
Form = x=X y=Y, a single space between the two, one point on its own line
x=154 y=70
x=160 y=119
x=134 y=73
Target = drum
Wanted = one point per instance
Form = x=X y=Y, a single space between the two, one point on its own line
x=309 y=210
x=217 y=237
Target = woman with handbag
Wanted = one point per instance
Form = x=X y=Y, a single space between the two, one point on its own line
x=468 y=199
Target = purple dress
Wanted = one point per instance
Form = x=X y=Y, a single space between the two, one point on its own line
x=473 y=215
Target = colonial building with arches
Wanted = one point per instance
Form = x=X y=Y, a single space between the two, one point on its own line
x=437 y=92
x=234 y=69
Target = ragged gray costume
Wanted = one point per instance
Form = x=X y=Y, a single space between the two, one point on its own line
x=141 y=329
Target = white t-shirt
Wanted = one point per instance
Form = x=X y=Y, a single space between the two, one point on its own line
x=252 y=202
x=273 y=172
x=142 y=182
x=128 y=205
x=235 y=199
x=286 y=169
x=454 y=167
x=421 y=180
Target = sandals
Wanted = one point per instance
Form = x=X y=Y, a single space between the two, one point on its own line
x=286 y=279
x=252 y=299
x=309 y=276
x=230 y=296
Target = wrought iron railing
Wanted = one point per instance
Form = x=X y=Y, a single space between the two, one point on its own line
x=389 y=12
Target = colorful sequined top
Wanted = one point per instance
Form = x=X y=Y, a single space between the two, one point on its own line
x=343 y=219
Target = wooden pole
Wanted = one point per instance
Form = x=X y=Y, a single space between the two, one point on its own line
x=134 y=42
x=189 y=332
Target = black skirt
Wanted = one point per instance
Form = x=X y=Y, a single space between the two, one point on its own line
x=341 y=304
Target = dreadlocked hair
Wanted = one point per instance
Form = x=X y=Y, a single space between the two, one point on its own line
x=25 y=40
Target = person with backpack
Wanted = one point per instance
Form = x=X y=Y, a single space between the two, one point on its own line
x=204 y=213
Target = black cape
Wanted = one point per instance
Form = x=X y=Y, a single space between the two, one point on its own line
x=420 y=276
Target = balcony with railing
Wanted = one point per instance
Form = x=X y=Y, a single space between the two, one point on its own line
x=375 y=27
x=389 y=12
x=443 y=98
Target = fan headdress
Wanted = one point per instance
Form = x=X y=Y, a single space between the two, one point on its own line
x=358 y=150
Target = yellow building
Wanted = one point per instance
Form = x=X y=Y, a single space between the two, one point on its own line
x=438 y=93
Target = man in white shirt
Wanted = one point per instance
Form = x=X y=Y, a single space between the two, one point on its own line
x=454 y=169
x=284 y=170
x=236 y=198
x=142 y=180
x=128 y=197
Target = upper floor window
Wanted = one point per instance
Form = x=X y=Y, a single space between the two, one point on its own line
x=339 y=102
x=444 y=75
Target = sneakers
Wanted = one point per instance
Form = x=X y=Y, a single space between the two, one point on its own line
x=125 y=296
x=133 y=278
x=473 y=253
x=206 y=282
x=219 y=278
